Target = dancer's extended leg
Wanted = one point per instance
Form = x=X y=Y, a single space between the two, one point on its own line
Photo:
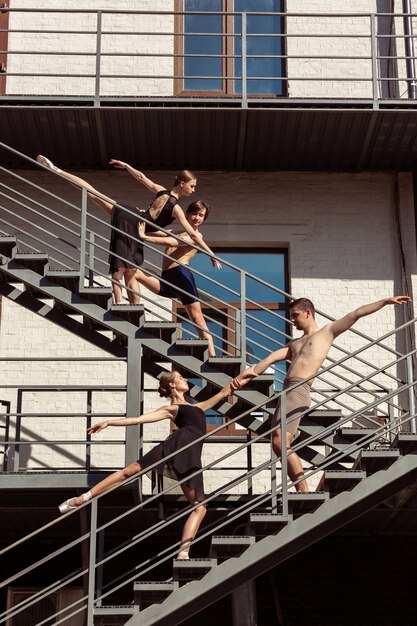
x=196 y=316
x=295 y=468
x=100 y=199
x=110 y=481
x=192 y=523
x=133 y=284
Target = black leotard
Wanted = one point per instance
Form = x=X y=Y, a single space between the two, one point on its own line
x=164 y=218
x=191 y=423
x=122 y=244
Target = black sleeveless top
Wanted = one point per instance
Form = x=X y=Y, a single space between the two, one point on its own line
x=191 y=424
x=165 y=217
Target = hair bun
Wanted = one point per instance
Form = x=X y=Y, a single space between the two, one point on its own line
x=163 y=392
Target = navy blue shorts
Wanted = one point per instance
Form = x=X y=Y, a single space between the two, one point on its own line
x=180 y=276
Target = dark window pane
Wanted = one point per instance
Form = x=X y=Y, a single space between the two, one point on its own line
x=201 y=67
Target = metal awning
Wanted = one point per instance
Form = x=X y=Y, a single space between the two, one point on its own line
x=297 y=137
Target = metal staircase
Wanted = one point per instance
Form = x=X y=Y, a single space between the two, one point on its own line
x=357 y=441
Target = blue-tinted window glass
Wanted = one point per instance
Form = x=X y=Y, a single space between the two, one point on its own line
x=261 y=72
x=195 y=44
x=203 y=73
x=265 y=329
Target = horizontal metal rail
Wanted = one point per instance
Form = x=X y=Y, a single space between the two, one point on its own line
x=370 y=76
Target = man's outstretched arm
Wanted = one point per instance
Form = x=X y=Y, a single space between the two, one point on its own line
x=255 y=370
x=340 y=326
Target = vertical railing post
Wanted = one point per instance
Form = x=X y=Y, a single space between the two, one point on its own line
x=411 y=394
x=244 y=64
x=92 y=564
x=284 y=456
x=374 y=63
x=98 y=60
x=91 y=243
x=83 y=236
x=133 y=398
x=243 y=317
x=89 y=408
x=249 y=461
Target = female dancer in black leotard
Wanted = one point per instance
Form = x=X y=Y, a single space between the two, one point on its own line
x=191 y=425
x=162 y=212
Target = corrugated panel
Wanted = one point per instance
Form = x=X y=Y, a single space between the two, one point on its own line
x=223 y=139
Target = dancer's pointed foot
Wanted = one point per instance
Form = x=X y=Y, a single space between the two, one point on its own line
x=47 y=163
x=74 y=503
x=183 y=556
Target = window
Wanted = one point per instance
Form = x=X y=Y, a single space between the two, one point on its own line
x=210 y=49
x=266 y=328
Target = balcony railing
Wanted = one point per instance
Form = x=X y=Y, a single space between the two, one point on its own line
x=244 y=59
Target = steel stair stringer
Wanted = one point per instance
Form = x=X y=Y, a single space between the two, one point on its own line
x=274 y=549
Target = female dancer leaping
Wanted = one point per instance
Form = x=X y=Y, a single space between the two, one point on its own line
x=162 y=212
x=190 y=420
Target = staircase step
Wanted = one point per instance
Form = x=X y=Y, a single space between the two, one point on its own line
x=325 y=418
x=225 y=547
x=36 y=262
x=192 y=569
x=334 y=482
x=8 y=248
x=146 y=592
x=228 y=365
x=195 y=347
x=132 y=313
x=69 y=279
x=101 y=296
x=405 y=442
x=123 y=611
x=356 y=433
x=264 y=524
x=161 y=330
x=372 y=461
x=300 y=503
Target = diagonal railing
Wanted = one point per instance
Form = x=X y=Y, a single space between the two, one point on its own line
x=403 y=420
x=84 y=250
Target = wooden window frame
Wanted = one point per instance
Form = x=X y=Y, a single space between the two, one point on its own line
x=227 y=49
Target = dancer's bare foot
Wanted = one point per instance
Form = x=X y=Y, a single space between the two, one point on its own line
x=47 y=163
x=183 y=555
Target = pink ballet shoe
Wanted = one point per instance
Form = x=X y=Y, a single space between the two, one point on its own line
x=47 y=163
x=66 y=506
x=183 y=556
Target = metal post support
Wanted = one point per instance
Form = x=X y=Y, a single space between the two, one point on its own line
x=249 y=461
x=284 y=456
x=243 y=317
x=92 y=564
x=133 y=397
x=83 y=236
x=374 y=63
x=411 y=394
x=244 y=64
x=88 y=425
x=243 y=601
x=91 y=259
x=98 y=60
x=409 y=50
x=14 y=459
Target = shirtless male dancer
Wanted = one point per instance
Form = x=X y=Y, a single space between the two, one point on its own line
x=175 y=269
x=306 y=354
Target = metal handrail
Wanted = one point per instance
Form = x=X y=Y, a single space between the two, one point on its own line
x=240 y=349
x=364 y=33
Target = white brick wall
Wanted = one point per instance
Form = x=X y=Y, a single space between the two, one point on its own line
x=83 y=44
x=343 y=252
x=311 y=34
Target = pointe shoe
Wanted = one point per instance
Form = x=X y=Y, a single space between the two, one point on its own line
x=183 y=556
x=47 y=163
x=66 y=506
